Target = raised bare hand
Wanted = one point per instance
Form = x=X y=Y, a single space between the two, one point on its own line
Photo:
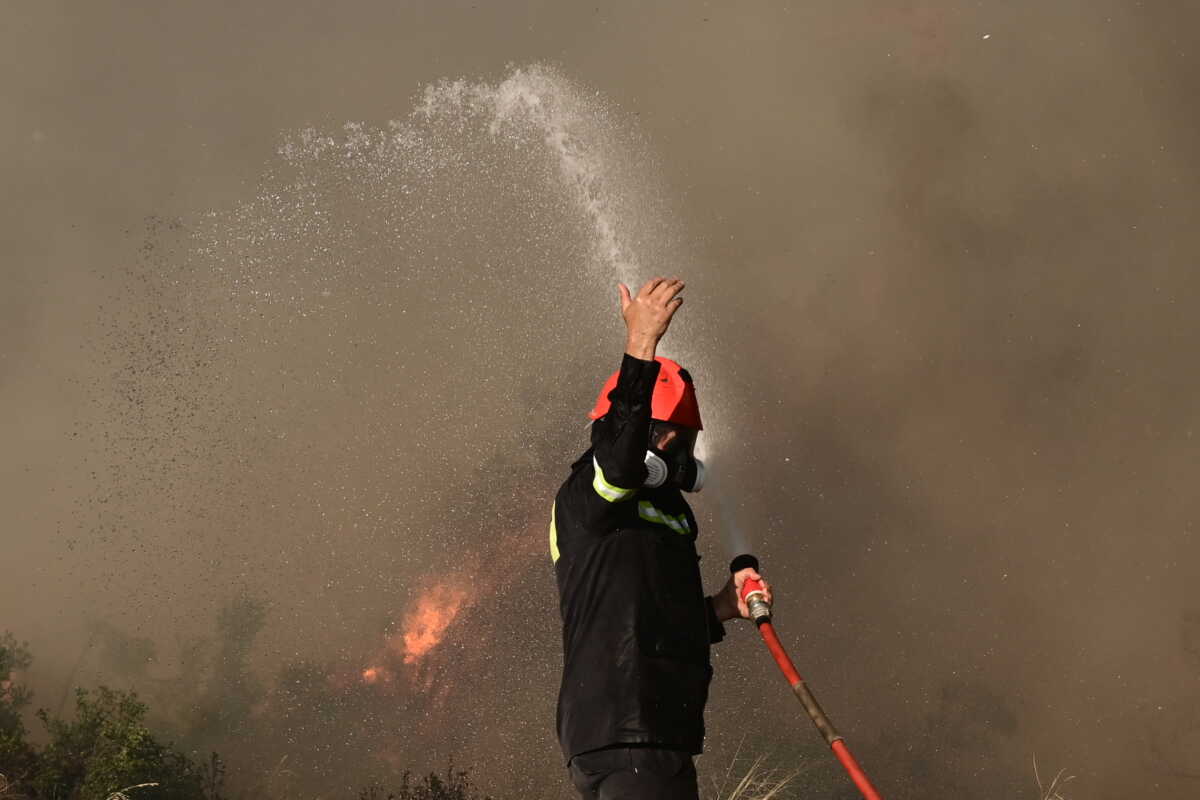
x=648 y=314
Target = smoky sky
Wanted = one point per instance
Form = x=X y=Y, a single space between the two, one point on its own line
x=264 y=385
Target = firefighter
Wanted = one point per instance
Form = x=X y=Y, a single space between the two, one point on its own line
x=636 y=624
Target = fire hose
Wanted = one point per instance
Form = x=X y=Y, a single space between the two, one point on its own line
x=760 y=612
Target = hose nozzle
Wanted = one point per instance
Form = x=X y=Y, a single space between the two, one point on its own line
x=752 y=590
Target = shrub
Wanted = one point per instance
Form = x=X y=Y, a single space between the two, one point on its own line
x=105 y=751
x=455 y=785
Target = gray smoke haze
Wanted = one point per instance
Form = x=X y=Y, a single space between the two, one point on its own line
x=289 y=342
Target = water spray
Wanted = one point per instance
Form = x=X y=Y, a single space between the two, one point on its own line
x=760 y=612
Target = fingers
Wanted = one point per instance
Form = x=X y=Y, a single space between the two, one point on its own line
x=660 y=290
x=739 y=580
x=742 y=575
x=672 y=301
x=666 y=290
x=623 y=291
x=648 y=288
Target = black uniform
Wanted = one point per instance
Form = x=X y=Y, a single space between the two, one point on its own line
x=636 y=624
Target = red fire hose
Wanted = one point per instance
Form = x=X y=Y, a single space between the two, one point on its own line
x=760 y=612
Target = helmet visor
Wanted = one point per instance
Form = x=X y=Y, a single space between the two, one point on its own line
x=671 y=439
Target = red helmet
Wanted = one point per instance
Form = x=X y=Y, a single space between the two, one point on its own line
x=674 y=398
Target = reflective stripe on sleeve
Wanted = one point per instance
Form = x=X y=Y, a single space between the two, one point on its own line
x=553 y=536
x=648 y=512
x=612 y=494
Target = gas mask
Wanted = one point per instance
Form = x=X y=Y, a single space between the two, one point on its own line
x=670 y=460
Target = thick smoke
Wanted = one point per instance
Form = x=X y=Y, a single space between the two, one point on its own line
x=359 y=388
x=267 y=397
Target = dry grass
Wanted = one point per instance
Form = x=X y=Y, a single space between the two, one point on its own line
x=8 y=791
x=759 y=782
x=119 y=794
x=6 y=794
x=1052 y=791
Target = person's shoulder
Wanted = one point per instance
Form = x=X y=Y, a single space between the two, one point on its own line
x=582 y=472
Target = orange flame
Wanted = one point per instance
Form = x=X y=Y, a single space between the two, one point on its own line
x=372 y=675
x=425 y=626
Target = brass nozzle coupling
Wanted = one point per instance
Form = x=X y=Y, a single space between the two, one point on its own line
x=760 y=609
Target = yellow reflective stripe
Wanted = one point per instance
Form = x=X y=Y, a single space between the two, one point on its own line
x=648 y=512
x=553 y=536
x=612 y=494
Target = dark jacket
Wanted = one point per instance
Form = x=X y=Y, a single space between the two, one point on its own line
x=636 y=624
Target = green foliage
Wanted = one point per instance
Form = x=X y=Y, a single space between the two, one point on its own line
x=107 y=748
x=230 y=690
x=455 y=785
x=207 y=703
x=104 y=752
x=13 y=697
x=17 y=758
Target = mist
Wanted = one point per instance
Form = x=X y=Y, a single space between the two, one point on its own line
x=304 y=308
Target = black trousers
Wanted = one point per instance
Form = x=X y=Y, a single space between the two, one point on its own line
x=634 y=773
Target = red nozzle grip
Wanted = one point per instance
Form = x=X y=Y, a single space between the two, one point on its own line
x=756 y=601
x=759 y=610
